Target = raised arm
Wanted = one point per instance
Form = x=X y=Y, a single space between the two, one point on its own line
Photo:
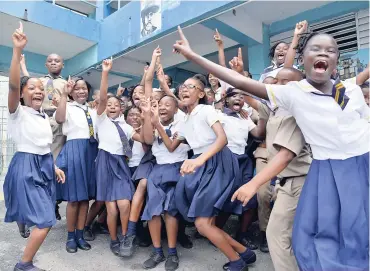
x=60 y=113
x=259 y=131
x=363 y=76
x=276 y=165
x=106 y=66
x=300 y=28
x=19 y=42
x=147 y=128
x=23 y=66
x=232 y=77
x=220 y=45
x=150 y=73
x=142 y=82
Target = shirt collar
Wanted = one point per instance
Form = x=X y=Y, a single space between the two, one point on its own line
x=83 y=106
x=34 y=112
x=51 y=77
x=307 y=87
x=195 y=111
x=120 y=119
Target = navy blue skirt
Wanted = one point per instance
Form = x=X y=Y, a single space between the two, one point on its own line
x=113 y=177
x=29 y=190
x=145 y=167
x=204 y=193
x=161 y=190
x=331 y=226
x=77 y=160
x=245 y=174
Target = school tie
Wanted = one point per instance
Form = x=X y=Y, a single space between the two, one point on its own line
x=127 y=147
x=168 y=133
x=50 y=88
x=90 y=124
x=338 y=93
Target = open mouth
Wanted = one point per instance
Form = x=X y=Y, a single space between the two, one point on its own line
x=185 y=96
x=320 y=66
x=236 y=105
x=37 y=99
x=280 y=56
x=163 y=114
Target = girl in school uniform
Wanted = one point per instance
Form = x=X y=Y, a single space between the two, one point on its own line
x=29 y=186
x=113 y=176
x=331 y=225
x=209 y=177
x=77 y=159
x=162 y=181
x=141 y=164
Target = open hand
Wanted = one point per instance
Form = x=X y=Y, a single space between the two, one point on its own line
x=182 y=46
x=19 y=38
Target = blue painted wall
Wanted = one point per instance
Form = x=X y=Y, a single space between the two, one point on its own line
x=258 y=55
x=46 y=14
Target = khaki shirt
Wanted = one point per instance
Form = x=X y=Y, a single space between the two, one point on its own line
x=58 y=84
x=283 y=131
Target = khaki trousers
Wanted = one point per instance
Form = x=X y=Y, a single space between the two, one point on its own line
x=280 y=226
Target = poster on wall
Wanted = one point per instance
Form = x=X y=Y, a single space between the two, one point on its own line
x=151 y=19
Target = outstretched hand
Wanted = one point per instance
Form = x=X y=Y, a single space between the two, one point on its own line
x=218 y=39
x=107 y=65
x=237 y=63
x=19 y=38
x=182 y=45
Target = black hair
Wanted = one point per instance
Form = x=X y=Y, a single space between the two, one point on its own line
x=295 y=71
x=128 y=110
x=115 y=97
x=24 y=80
x=203 y=82
x=303 y=41
x=207 y=80
x=89 y=87
x=273 y=48
x=170 y=78
x=173 y=98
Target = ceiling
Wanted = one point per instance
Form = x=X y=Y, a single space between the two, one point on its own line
x=42 y=40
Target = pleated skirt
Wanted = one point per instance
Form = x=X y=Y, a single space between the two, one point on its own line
x=204 y=193
x=331 y=226
x=161 y=190
x=113 y=177
x=145 y=167
x=77 y=160
x=29 y=190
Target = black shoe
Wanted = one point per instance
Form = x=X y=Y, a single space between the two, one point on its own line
x=34 y=268
x=154 y=260
x=82 y=244
x=184 y=240
x=24 y=230
x=89 y=234
x=57 y=214
x=226 y=267
x=115 y=248
x=71 y=246
x=100 y=228
x=264 y=246
x=172 y=263
x=247 y=242
x=127 y=246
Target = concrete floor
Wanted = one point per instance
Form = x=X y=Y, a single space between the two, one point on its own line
x=52 y=255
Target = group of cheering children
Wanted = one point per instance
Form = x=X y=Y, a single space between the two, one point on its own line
x=316 y=149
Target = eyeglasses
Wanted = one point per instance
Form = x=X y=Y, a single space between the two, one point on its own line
x=189 y=87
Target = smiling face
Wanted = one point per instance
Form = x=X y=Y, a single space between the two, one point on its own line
x=80 y=92
x=134 y=117
x=320 y=58
x=167 y=108
x=235 y=102
x=191 y=92
x=33 y=93
x=213 y=80
x=210 y=95
x=54 y=64
x=280 y=53
x=137 y=94
x=113 y=108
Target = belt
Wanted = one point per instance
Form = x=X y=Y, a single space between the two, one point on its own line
x=282 y=180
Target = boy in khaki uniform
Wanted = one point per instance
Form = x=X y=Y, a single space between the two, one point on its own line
x=288 y=158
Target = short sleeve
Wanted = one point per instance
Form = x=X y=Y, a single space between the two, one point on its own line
x=281 y=95
x=263 y=111
x=17 y=114
x=210 y=114
x=251 y=125
x=181 y=131
x=349 y=81
x=130 y=131
x=289 y=136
